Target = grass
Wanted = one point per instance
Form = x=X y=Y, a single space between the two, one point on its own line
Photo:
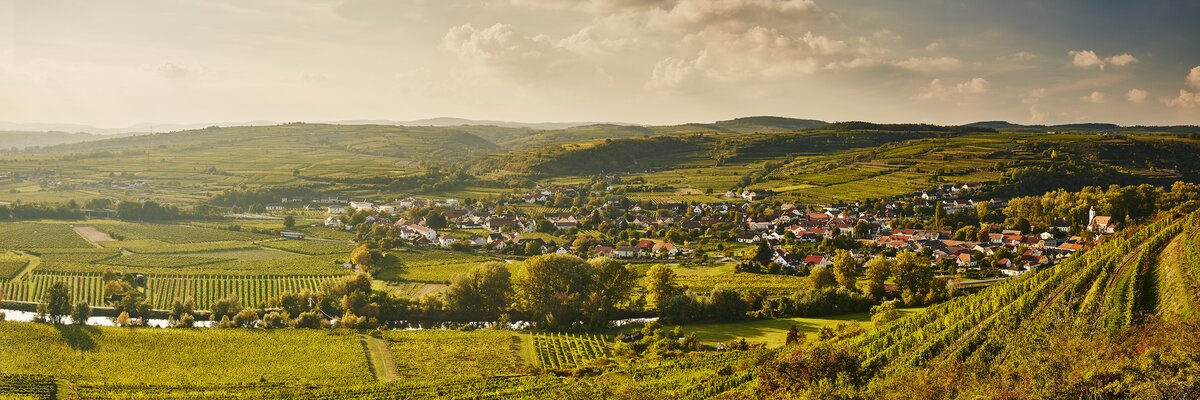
x=773 y=332
x=182 y=356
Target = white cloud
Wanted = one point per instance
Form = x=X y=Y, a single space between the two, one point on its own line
x=1086 y=59
x=1122 y=60
x=1193 y=78
x=934 y=46
x=1094 y=98
x=1136 y=96
x=1186 y=99
x=930 y=64
x=480 y=44
x=939 y=90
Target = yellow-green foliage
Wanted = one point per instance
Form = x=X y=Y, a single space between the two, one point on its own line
x=179 y=356
x=443 y=353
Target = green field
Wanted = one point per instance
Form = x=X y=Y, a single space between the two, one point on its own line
x=180 y=261
x=182 y=356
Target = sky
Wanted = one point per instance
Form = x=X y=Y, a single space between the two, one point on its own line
x=119 y=63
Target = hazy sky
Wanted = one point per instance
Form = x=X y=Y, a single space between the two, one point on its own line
x=117 y=63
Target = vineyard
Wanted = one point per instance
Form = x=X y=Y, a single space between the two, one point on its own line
x=27 y=386
x=11 y=264
x=562 y=351
x=162 y=289
x=1103 y=286
x=121 y=356
x=442 y=353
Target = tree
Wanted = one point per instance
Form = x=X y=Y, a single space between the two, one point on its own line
x=225 y=308
x=793 y=336
x=913 y=274
x=483 y=292
x=80 y=313
x=939 y=216
x=726 y=305
x=435 y=220
x=289 y=222
x=660 y=285
x=552 y=288
x=884 y=312
x=274 y=320
x=545 y=226
x=763 y=254
x=822 y=277
x=56 y=303
x=533 y=248
x=364 y=257
x=845 y=269
x=879 y=269
x=614 y=282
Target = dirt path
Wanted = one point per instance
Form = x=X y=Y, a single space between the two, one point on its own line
x=93 y=235
x=379 y=358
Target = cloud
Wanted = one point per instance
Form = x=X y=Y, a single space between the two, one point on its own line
x=939 y=90
x=1020 y=56
x=480 y=44
x=1193 y=78
x=1088 y=59
x=929 y=64
x=757 y=53
x=172 y=70
x=1186 y=99
x=1094 y=98
x=934 y=46
x=1136 y=96
x=1036 y=114
x=1122 y=60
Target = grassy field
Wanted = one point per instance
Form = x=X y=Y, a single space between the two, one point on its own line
x=182 y=356
x=773 y=332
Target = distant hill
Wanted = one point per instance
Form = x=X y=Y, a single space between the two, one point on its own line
x=1008 y=126
x=868 y=126
x=766 y=124
x=22 y=139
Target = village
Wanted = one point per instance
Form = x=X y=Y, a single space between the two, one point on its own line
x=797 y=237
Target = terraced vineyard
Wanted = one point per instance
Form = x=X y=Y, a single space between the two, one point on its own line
x=1103 y=286
x=561 y=350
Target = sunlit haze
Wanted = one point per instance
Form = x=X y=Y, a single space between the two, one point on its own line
x=119 y=63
